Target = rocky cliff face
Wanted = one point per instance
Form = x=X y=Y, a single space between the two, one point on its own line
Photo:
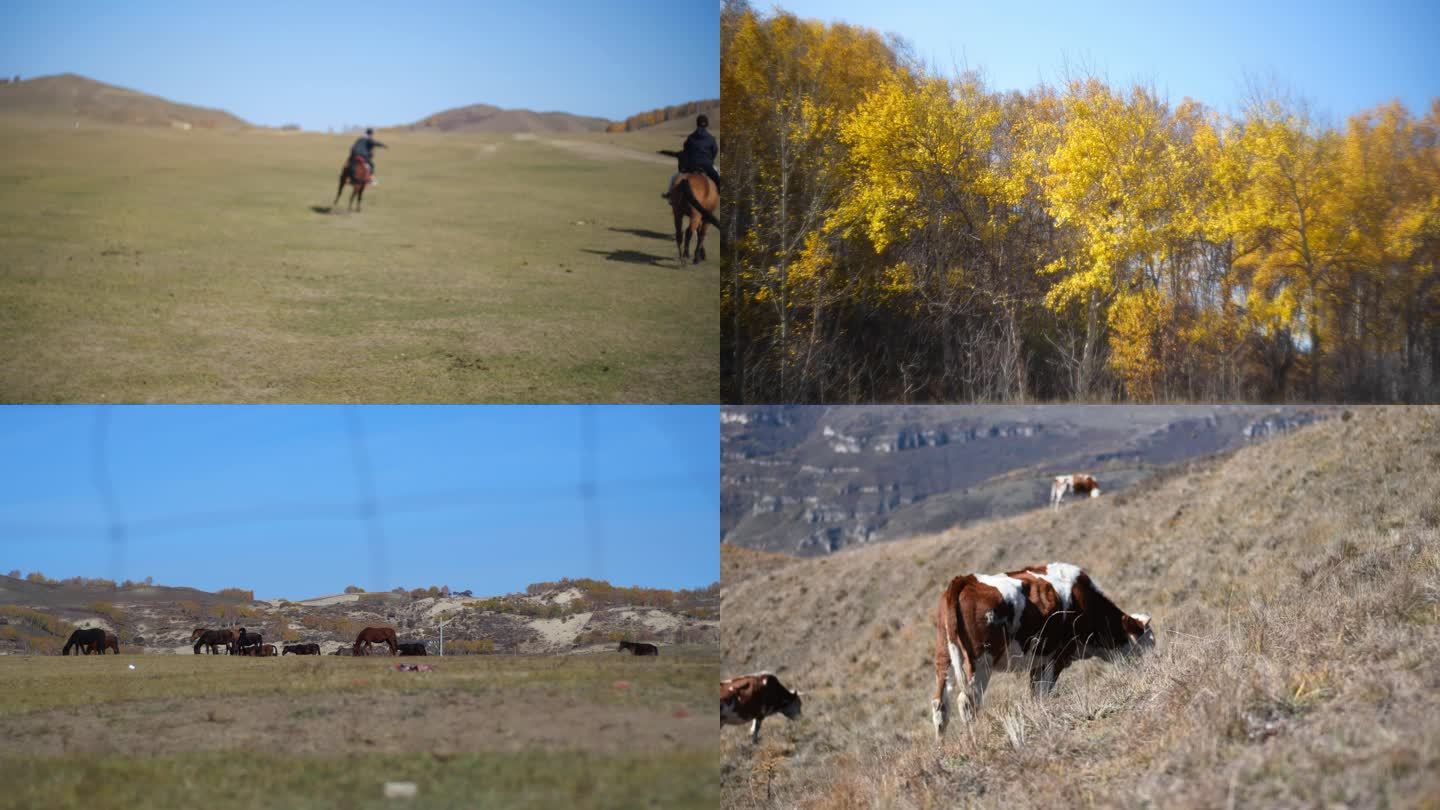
x=812 y=480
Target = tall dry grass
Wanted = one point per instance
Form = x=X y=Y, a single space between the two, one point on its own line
x=1296 y=589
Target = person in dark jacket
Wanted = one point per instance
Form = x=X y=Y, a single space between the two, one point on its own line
x=365 y=147
x=698 y=154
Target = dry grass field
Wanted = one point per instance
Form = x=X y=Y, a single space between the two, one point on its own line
x=1295 y=586
x=160 y=265
x=577 y=731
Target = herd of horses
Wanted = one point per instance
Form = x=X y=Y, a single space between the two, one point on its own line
x=239 y=641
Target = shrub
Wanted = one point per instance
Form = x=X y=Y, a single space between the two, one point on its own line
x=236 y=593
x=470 y=646
x=107 y=610
x=354 y=589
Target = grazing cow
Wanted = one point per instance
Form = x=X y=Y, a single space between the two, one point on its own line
x=413 y=648
x=1043 y=617
x=302 y=649
x=85 y=641
x=638 y=648
x=1078 y=484
x=752 y=698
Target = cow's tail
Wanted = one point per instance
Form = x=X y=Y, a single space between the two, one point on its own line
x=689 y=195
x=950 y=654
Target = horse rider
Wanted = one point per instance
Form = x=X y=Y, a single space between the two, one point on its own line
x=365 y=148
x=698 y=154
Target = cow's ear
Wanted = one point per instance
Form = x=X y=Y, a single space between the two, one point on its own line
x=1142 y=618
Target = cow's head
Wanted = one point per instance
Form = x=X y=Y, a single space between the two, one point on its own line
x=1095 y=493
x=1137 y=628
x=790 y=707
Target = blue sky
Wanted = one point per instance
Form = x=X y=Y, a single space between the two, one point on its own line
x=486 y=498
x=324 y=64
x=1342 y=56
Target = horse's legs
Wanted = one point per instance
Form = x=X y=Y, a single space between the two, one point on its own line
x=689 y=232
x=360 y=198
x=339 y=189
x=679 y=226
x=700 y=242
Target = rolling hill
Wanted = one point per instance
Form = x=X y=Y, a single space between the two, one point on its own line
x=70 y=98
x=1295 y=588
x=565 y=616
x=812 y=480
x=490 y=119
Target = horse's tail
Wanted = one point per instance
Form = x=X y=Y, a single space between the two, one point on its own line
x=689 y=195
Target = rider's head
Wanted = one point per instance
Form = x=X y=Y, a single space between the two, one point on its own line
x=702 y=121
x=369 y=131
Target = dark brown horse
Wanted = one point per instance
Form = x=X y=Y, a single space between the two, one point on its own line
x=112 y=642
x=86 y=641
x=245 y=643
x=301 y=649
x=357 y=171
x=413 y=648
x=375 y=635
x=265 y=651
x=639 y=647
x=212 y=640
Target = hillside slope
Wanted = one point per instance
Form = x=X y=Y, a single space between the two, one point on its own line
x=812 y=480
x=1295 y=586
x=69 y=97
x=578 y=616
x=488 y=118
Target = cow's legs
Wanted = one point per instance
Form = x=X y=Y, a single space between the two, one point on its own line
x=939 y=702
x=755 y=729
x=974 y=692
x=1042 y=677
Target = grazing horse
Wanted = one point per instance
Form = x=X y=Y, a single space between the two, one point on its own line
x=375 y=635
x=212 y=640
x=357 y=171
x=301 y=649
x=266 y=651
x=413 y=648
x=638 y=648
x=112 y=642
x=85 y=641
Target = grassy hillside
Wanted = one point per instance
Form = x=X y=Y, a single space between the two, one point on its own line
x=145 y=265
x=1295 y=586
x=68 y=98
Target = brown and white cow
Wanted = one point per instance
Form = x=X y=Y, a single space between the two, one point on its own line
x=1040 y=618
x=1079 y=484
x=752 y=698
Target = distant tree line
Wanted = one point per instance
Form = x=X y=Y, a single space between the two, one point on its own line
x=660 y=116
x=901 y=236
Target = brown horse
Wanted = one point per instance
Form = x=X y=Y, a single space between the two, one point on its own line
x=375 y=635
x=212 y=640
x=266 y=650
x=111 y=643
x=693 y=197
x=357 y=171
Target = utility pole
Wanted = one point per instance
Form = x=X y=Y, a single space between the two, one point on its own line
x=442 y=636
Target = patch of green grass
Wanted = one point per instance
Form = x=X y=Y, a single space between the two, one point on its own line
x=679 y=779
x=35 y=683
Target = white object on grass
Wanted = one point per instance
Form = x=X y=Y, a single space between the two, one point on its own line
x=132 y=666
x=400 y=790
